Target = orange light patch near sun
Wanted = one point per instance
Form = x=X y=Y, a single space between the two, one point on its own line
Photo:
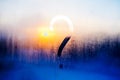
x=45 y=36
x=45 y=32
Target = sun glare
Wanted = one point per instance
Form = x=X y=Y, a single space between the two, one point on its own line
x=45 y=36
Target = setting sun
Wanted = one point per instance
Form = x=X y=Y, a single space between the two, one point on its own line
x=45 y=32
x=45 y=36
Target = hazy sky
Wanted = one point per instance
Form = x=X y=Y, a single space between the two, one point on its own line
x=86 y=15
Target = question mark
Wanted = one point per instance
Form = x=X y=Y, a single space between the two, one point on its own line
x=66 y=39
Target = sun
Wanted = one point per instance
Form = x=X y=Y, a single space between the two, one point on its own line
x=45 y=36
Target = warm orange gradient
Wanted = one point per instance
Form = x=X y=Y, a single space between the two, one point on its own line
x=40 y=36
x=47 y=38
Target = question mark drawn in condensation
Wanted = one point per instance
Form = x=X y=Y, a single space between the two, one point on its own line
x=66 y=39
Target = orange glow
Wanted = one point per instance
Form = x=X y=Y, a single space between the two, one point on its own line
x=45 y=36
x=45 y=32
